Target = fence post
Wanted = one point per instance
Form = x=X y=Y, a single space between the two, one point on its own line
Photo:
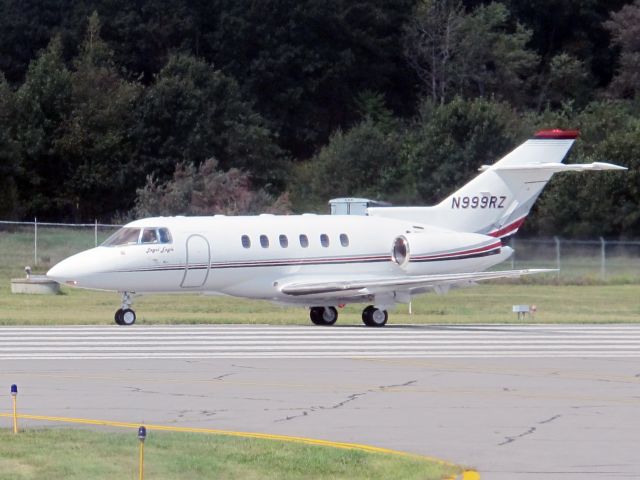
x=557 y=240
x=35 y=241
x=603 y=259
x=95 y=233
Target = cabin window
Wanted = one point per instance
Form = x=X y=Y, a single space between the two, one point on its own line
x=246 y=241
x=304 y=241
x=149 y=235
x=284 y=241
x=124 y=236
x=164 y=235
x=155 y=235
x=264 y=241
x=344 y=240
x=324 y=240
x=134 y=236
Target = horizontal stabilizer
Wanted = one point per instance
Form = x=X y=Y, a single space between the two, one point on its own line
x=554 y=167
x=397 y=284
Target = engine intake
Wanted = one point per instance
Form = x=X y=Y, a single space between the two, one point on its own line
x=400 y=253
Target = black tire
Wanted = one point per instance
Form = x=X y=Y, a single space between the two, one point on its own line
x=118 y=316
x=323 y=316
x=315 y=313
x=374 y=317
x=128 y=317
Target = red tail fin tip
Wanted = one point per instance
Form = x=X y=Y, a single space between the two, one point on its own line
x=557 y=134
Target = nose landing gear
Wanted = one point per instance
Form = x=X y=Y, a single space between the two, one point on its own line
x=125 y=315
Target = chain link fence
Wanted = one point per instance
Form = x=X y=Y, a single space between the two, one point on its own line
x=581 y=261
x=41 y=245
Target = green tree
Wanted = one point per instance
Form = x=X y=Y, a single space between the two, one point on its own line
x=574 y=27
x=362 y=162
x=448 y=143
x=567 y=80
x=94 y=141
x=495 y=55
x=470 y=54
x=304 y=61
x=144 y=34
x=141 y=33
x=43 y=104
x=624 y=27
x=9 y=168
x=193 y=112
x=432 y=40
x=26 y=28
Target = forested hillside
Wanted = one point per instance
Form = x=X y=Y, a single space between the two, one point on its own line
x=110 y=109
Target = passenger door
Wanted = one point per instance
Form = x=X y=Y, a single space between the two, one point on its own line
x=197 y=262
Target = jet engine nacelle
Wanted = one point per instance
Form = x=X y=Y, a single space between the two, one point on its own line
x=418 y=247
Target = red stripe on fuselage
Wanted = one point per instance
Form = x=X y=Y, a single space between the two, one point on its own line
x=509 y=229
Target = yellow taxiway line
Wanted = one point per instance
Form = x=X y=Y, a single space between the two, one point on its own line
x=466 y=475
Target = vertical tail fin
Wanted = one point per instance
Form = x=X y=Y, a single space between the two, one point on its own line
x=497 y=201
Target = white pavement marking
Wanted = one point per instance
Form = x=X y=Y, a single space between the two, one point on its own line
x=265 y=341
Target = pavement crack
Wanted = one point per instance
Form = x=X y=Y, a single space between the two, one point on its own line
x=210 y=413
x=351 y=398
x=286 y=419
x=220 y=377
x=182 y=414
x=549 y=420
x=405 y=384
x=530 y=431
x=517 y=437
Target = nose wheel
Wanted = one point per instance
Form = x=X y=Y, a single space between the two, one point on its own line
x=374 y=317
x=125 y=315
x=323 y=315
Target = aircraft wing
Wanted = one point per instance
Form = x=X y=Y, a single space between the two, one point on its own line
x=368 y=286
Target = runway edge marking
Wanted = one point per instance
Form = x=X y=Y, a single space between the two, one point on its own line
x=466 y=474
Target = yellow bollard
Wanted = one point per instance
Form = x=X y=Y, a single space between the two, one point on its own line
x=14 y=395
x=142 y=435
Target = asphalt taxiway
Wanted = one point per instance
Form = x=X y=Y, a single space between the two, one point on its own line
x=515 y=402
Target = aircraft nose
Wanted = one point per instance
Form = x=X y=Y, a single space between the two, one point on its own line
x=73 y=269
x=63 y=272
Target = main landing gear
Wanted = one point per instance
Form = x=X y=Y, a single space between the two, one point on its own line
x=124 y=315
x=374 y=317
x=323 y=315
x=371 y=316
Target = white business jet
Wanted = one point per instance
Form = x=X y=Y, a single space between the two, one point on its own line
x=326 y=261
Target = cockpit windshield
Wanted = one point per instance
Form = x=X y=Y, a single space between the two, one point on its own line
x=135 y=236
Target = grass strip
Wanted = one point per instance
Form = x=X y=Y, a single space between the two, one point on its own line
x=78 y=454
x=486 y=303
